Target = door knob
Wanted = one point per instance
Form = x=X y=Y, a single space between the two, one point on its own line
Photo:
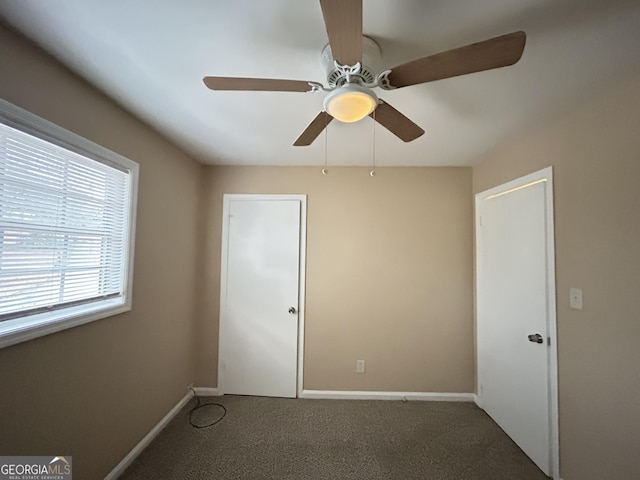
x=535 y=338
x=292 y=310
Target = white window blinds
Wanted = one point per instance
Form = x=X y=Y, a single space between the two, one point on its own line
x=64 y=222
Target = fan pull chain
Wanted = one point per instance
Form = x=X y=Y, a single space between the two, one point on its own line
x=326 y=135
x=373 y=156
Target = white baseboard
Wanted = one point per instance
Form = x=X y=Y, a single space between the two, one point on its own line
x=412 y=396
x=144 y=443
x=207 y=392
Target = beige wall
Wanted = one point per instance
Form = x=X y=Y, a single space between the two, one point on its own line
x=389 y=274
x=94 y=391
x=595 y=153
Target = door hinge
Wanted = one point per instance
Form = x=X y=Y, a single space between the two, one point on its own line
x=548 y=340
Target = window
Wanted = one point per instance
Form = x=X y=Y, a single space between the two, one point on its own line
x=67 y=209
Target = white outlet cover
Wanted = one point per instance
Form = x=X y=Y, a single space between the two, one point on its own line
x=575 y=298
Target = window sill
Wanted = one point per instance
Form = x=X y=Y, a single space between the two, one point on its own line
x=22 y=329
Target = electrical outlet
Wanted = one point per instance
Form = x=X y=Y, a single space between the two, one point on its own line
x=359 y=366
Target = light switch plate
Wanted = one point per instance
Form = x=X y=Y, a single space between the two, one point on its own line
x=575 y=298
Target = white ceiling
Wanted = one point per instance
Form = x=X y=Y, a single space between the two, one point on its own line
x=151 y=57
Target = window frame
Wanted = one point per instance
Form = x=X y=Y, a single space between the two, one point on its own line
x=28 y=327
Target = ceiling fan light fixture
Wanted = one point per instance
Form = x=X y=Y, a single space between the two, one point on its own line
x=350 y=103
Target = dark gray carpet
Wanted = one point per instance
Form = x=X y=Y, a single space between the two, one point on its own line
x=273 y=438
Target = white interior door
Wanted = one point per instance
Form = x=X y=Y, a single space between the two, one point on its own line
x=516 y=313
x=258 y=347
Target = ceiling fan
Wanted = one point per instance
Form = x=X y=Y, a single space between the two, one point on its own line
x=350 y=60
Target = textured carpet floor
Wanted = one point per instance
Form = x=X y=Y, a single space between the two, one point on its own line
x=272 y=438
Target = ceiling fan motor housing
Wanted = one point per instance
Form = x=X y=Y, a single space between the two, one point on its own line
x=369 y=68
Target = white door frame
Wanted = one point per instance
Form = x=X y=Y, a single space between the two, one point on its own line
x=227 y=198
x=544 y=175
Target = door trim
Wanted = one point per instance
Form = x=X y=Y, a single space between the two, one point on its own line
x=227 y=198
x=544 y=175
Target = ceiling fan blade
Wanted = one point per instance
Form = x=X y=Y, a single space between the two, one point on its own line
x=396 y=122
x=314 y=129
x=257 y=84
x=343 y=21
x=477 y=57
